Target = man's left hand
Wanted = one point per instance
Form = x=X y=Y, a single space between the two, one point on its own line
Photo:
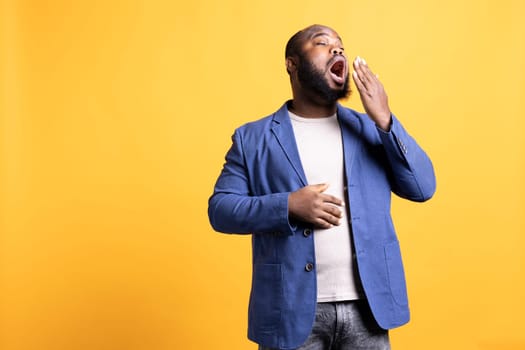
x=373 y=95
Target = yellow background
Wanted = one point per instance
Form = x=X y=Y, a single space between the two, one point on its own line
x=115 y=118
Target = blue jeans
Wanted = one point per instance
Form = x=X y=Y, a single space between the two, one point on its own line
x=345 y=325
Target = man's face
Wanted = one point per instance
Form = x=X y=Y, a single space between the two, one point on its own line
x=322 y=67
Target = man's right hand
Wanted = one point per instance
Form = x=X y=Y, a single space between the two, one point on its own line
x=311 y=205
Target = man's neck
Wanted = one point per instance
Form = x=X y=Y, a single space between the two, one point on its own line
x=309 y=108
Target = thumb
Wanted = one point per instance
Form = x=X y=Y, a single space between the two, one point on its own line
x=320 y=188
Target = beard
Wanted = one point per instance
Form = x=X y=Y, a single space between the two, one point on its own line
x=314 y=80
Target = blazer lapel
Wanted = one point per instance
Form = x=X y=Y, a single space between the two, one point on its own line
x=350 y=131
x=283 y=131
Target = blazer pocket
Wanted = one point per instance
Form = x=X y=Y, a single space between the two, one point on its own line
x=396 y=274
x=266 y=297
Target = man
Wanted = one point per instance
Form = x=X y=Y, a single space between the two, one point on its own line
x=312 y=184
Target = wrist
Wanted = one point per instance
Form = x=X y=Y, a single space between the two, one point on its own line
x=384 y=123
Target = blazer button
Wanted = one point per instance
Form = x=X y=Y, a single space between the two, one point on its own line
x=309 y=267
x=307 y=232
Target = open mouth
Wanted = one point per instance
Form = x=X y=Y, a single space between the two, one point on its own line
x=337 y=71
x=338 y=68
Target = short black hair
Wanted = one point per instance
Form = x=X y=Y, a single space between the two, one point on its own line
x=293 y=46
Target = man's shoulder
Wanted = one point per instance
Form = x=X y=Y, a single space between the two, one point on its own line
x=356 y=120
x=264 y=123
x=349 y=113
x=258 y=124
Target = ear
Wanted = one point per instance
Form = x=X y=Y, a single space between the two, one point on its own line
x=291 y=65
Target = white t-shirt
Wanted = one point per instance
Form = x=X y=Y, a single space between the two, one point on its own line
x=320 y=148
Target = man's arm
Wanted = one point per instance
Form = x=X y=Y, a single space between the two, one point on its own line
x=413 y=174
x=234 y=209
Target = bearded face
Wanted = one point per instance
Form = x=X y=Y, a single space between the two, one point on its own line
x=316 y=80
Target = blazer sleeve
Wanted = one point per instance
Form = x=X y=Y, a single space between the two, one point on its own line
x=233 y=208
x=413 y=175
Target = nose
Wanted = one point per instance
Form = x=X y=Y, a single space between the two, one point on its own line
x=337 y=51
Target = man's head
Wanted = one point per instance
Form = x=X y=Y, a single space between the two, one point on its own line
x=317 y=64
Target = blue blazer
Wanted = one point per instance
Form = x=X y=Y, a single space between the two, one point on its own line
x=251 y=196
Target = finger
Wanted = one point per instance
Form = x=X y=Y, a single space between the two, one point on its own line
x=370 y=79
x=319 y=188
x=357 y=69
x=364 y=86
x=331 y=219
x=367 y=86
x=327 y=221
x=322 y=224
x=333 y=210
x=328 y=198
x=362 y=70
x=360 y=85
x=367 y=74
